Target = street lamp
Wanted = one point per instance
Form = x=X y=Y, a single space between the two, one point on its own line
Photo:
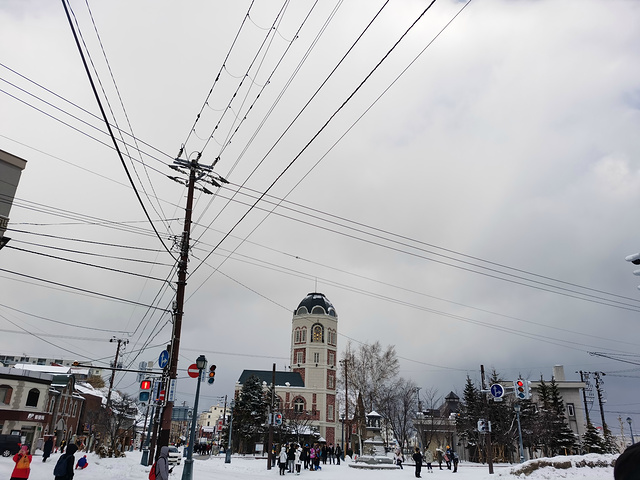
x=187 y=472
x=342 y=419
x=227 y=453
x=629 y=420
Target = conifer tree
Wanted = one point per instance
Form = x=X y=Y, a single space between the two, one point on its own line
x=592 y=441
x=249 y=415
x=563 y=440
x=469 y=414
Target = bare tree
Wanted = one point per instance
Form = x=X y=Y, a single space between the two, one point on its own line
x=429 y=423
x=369 y=370
x=398 y=406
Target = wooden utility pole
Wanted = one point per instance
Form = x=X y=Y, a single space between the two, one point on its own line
x=115 y=367
x=165 y=422
x=584 y=399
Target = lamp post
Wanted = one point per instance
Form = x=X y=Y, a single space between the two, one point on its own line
x=629 y=420
x=517 y=409
x=187 y=472
x=227 y=453
x=342 y=419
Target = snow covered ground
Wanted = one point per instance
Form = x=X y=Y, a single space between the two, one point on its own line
x=214 y=468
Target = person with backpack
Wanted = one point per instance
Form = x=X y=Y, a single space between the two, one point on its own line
x=23 y=464
x=64 y=467
x=160 y=469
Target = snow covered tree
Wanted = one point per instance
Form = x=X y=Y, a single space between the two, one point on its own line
x=564 y=441
x=249 y=416
x=592 y=441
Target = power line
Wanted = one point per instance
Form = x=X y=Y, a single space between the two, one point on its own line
x=115 y=143
x=70 y=287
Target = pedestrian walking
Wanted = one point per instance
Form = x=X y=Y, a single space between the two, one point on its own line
x=455 y=461
x=64 y=467
x=47 y=448
x=22 y=460
x=398 y=458
x=428 y=459
x=298 y=460
x=338 y=452
x=331 y=453
x=162 y=464
x=312 y=459
x=291 y=456
x=447 y=457
x=440 y=456
x=417 y=458
x=283 y=459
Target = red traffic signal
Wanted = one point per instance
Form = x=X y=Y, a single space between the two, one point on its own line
x=145 y=391
x=522 y=390
x=212 y=374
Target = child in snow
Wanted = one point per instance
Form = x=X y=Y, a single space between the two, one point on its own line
x=23 y=464
x=82 y=463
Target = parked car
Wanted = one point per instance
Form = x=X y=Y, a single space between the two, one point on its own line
x=10 y=444
x=174 y=456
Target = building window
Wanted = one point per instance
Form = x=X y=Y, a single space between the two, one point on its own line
x=331 y=337
x=298 y=405
x=571 y=410
x=317 y=333
x=331 y=382
x=303 y=337
x=5 y=394
x=297 y=336
x=330 y=413
x=332 y=359
x=33 y=397
x=316 y=357
x=42 y=361
x=300 y=357
x=52 y=404
x=75 y=409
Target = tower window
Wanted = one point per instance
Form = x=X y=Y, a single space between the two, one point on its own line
x=316 y=357
x=317 y=333
x=299 y=357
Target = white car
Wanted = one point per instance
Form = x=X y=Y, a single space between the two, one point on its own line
x=175 y=457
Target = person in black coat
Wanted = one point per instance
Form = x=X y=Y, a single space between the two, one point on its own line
x=417 y=457
x=69 y=462
x=47 y=449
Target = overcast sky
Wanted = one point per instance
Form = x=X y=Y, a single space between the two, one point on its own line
x=467 y=196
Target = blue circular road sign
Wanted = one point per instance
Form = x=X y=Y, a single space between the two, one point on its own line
x=497 y=390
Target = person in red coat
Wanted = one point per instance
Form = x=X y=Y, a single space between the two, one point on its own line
x=23 y=464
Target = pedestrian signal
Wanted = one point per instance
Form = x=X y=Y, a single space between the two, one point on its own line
x=277 y=419
x=145 y=391
x=212 y=374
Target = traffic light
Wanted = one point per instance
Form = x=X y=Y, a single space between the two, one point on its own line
x=521 y=389
x=145 y=391
x=277 y=419
x=212 y=374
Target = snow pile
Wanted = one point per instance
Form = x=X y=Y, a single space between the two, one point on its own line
x=564 y=466
x=588 y=467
